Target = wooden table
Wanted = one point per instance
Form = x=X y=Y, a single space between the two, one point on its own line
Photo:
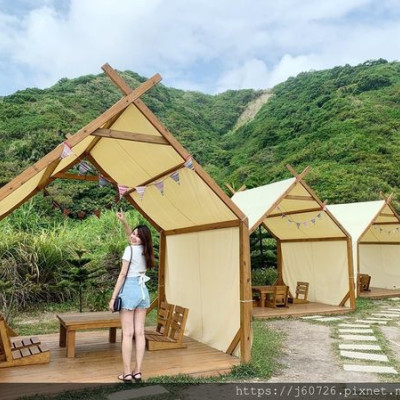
x=70 y=323
x=263 y=291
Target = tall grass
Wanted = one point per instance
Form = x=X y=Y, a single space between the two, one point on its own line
x=35 y=249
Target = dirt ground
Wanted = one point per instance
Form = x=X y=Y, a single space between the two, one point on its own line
x=309 y=355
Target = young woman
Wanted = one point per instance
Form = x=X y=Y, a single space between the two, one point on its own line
x=135 y=297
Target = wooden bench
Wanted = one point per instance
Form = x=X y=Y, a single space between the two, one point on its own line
x=172 y=335
x=20 y=351
x=70 y=323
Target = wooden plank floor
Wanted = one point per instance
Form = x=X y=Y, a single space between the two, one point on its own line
x=378 y=293
x=98 y=361
x=298 y=310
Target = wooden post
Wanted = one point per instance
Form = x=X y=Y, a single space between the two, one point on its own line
x=161 y=268
x=246 y=301
x=351 y=274
x=279 y=262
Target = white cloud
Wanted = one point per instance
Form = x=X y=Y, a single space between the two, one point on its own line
x=208 y=45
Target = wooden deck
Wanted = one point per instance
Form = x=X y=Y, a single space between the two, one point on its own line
x=98 y=361
x=298 y=310
x=378 y=293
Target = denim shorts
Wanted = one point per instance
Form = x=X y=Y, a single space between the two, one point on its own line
x=134 y=295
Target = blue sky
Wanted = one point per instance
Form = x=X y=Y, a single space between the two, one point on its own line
x=206 y=45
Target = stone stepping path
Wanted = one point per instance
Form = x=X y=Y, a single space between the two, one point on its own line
x=357 y=337
x=394 y=298
x=360 y=332
x=344 y=346
x=355 y=330
x=370 y=321
x=364 y=356
x=369 y=368
x=388 y=315
x=354 y=325
x=360 y=338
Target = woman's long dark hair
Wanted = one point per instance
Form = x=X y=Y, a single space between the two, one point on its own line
x=144 y=234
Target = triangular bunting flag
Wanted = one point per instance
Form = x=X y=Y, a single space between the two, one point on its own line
x=102 y=181
x=66 y=151
x=83 y=168
x=298 y=225
x=189 y=162
x=140 y=191
x=122 y=190
x=160 y=187
x=175 y=177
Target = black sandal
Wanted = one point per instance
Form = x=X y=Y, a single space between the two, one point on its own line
x=125 y=378
x=135 y=375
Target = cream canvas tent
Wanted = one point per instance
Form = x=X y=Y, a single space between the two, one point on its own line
x=204 y=250
x=375 y=230
x=311 y=245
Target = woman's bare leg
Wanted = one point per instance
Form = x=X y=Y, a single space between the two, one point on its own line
x=139 y=319
x=127 y=326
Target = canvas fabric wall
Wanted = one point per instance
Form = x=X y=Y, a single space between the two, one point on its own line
x=323 y=264
x=382 y=262
x=202 y=274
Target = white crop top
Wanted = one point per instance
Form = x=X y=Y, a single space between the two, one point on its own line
x=138 y=263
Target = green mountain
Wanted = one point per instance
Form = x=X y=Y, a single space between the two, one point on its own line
x=343 y=122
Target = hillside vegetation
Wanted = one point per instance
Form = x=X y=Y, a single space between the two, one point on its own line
x=343 y=122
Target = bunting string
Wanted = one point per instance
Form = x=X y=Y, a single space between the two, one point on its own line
x=389 y=232
x=306 y=223
x=175 y=176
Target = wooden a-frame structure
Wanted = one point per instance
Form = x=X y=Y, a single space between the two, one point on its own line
x=312 y=245
x=375 y=230
x=204 y=249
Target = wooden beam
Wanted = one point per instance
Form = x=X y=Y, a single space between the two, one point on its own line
x=113 y=110
x=231 y=189
x=146 y=112
x=116 y=78
x=246 y=297
x=205 y=227
x=78 y=136
x=136 y=137
x=314 y=240
x=296 y=212
x=234 y=343
x=352 y=296
x=30 y=172
x=159 y=176
x=184 y=154
x=379 y=243
x=44 y=181
x=386 y=223
x=91 y=178
x=344 y=300
x=292 y=197
x=161 y=268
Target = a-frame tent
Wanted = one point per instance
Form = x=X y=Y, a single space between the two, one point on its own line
x=375 y=229
x=204 y=251
x=312 y=246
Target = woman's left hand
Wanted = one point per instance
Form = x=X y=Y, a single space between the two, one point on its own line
x=111 y=305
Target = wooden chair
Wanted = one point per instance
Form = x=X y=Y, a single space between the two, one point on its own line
x=279 y=297
x=172 y=338
x=163 y=319
x=301 y=293
x=363 y=282
x=21 y=351
x=10 y=331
